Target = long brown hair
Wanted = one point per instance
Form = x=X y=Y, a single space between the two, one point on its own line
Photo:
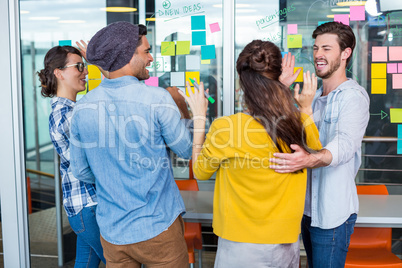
x=269 y=101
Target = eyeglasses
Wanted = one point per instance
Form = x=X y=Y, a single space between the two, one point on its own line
x=80 y=66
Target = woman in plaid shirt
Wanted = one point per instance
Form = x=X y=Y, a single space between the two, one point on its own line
x=63 y=76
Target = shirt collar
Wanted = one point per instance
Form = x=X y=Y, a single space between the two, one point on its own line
x=62 y=101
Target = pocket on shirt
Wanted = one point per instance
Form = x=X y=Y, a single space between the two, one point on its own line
x=332 y=113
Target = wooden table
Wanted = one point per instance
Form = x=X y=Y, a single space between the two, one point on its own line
x=375 y=210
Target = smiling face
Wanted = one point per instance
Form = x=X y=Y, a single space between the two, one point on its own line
x=141 y=59
x=71 y=78
x=327 y=56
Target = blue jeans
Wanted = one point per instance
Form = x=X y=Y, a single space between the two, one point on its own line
x=327 y=248
x=89 y=248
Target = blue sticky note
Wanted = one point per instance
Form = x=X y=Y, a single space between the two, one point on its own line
x=197 y=22
x=283 y=54
x=208 y=52
x=322 y=22
x=199 y=38
x=399 y=143
x=64 y=42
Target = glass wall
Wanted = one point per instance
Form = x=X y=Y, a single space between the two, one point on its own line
x=187 y=42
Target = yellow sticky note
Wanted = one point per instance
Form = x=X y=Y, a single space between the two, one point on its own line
x=205 y=61
x=378 y=70
x=192 y=75
x=167 y=48
x=378 y=86
x=300 y=76
x=182 y=47
x=93 y=84
x=94 y=72
x=294 y=41
x=396 y=115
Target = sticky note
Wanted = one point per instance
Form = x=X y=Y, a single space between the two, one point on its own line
x=379 y=54
x=214 y=27
x=167 y=49
x=395 y=53
x=343 y=18
x=93 y=84
x=295 y=41
x=378 y=70
x=193 y=62
x=395 y=115
x=399 y=143
x=292 y=28
x=378 y=86
x=152 y=81
x=322 y=22
x=192 y=75
x=82 y=92
x=177 y=79
x=392 y=68
x=399 y=67
x=94 y=72
x=182 y=47
x=357 y=13
x=300 y=76
x=197 y=22
x=208 y=52
x=205 y=61
x=397 y=81
x=283 y=54
x=198 y=38
x=64 y=42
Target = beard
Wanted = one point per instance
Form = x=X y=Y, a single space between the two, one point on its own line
x=333 y=67
x=143 y=75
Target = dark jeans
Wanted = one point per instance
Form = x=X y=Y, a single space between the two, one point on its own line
x=327 y=248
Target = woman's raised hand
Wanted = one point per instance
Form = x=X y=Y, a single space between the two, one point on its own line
x=197 y=101
x=305 y=98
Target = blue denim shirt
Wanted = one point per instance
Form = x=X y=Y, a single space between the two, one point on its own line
x=343 y=124
x=119 y=135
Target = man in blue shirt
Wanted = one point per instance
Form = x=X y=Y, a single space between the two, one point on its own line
x=341 y=113
x=119 y=137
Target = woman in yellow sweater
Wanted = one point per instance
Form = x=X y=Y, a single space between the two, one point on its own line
x=257 y=212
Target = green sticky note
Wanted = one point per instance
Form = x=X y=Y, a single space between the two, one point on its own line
x=64 y=42
x=295 y=41
x=395 y=115
x=199 y=38
x=208 y=52
x=378 y=70
x=167 y=49
x=197 y=22
x=182 y=47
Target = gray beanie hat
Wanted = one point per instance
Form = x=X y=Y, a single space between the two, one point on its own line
x=113 y=46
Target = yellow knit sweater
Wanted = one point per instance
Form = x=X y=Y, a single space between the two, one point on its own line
x=252 y=203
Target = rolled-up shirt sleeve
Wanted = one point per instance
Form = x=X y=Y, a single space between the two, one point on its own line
x=351 y=126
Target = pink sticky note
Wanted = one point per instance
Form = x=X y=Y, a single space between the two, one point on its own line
x=400 y=68
x=152 y=81
x=357 y=13
x=344 y=18
x=392 y=68
x=395 y=53
x=397 y=81
x=379 y=54
x=214 y=27
x=292 y=28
